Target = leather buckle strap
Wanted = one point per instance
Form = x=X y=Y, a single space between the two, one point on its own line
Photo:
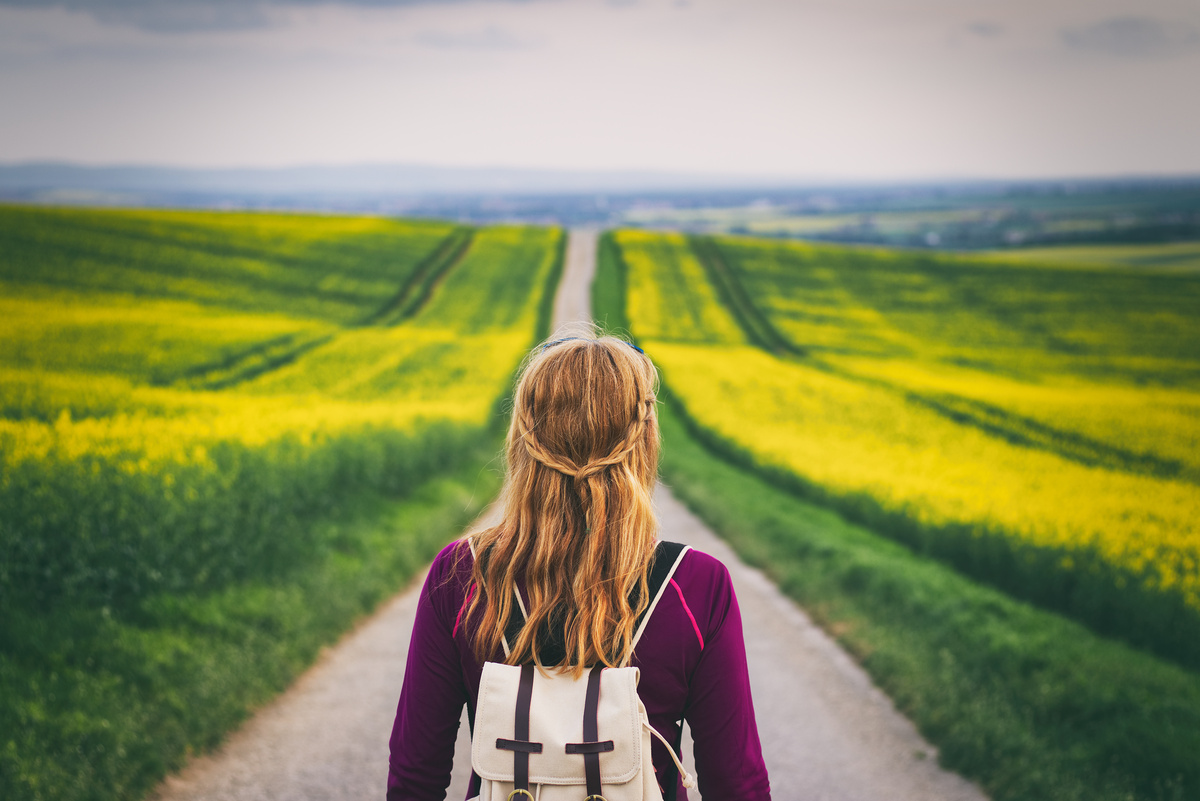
x=591 y=733
x=521 y=733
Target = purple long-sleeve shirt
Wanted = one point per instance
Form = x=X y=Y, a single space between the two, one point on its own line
x=693 y=666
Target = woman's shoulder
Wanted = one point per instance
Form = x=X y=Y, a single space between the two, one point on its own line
x=700 y=567
x=454 y=555
x=451 y=568
x=704 y=584
x=691 y=609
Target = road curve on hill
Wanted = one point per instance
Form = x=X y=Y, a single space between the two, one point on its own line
x=828 y=734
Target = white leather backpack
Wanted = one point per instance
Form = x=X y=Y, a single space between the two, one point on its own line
x=549 y=737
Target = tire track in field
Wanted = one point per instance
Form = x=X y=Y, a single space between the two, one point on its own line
x=259 y=359
x=416 y=291
x=252 y=362
x=827 y=732
x=757 y=327
x=1017 y=429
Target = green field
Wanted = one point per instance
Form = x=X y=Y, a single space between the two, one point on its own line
x=1021 y=422
x=198 y=414
x=1181 y=256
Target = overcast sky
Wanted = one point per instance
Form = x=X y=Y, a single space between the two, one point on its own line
x=834 y=89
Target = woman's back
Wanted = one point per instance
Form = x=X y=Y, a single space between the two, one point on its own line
x=577 y=538
x=692 y=661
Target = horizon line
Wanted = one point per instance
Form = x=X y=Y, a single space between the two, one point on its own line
x=695 y=179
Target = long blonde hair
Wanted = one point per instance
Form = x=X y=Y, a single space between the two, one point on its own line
x=578 y=524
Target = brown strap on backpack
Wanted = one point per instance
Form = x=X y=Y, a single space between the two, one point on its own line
x=591 y=748
x=520 y=744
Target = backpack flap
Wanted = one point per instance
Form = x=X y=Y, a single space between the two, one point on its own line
x=556 y=711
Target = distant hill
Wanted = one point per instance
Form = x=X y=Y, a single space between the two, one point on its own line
x=960 y=214
x=360 y=179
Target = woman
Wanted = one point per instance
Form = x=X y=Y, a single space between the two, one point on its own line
x=578 y=539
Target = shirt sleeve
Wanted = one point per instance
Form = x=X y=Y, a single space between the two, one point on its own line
x=720 y=710
x=431 y=699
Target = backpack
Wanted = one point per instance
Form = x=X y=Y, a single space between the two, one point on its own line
x=550 y=737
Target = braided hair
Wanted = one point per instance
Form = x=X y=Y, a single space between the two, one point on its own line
x=578 y=527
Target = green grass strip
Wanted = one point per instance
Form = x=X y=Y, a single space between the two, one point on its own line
x=610 y=286
x=100 y=703
x=1024 y=702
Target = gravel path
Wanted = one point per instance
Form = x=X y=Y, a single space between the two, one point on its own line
x=573 y=303
x=827 y=732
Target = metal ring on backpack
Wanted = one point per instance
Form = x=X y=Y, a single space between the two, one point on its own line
x=595 y=798
x=519 y=790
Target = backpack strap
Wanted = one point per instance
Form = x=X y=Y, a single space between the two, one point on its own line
x=667 y=557
x=592 y=747
x=515 y=622
x=520 y=744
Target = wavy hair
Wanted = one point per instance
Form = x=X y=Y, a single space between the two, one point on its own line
x=578 y=525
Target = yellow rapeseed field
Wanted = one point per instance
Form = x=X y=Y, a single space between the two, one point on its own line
x=851 y=438
x=668 y=294
x=962 y=402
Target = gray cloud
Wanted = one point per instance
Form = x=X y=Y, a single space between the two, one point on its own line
x=986 y=30
x=187 y=16
x=1133 y=37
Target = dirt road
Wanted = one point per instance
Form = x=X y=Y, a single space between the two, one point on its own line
x=827 y=732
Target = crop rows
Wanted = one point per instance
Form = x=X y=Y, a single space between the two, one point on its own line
x=176 y=400
x=1037 y=426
